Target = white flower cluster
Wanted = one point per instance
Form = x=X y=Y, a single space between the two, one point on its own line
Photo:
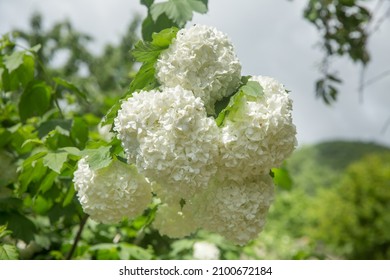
x=111 y=193
x=169 y=137
x=205 y=176
x=261 y=134
x=201 y=59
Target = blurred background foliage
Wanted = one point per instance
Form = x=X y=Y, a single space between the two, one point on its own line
x=332 y=199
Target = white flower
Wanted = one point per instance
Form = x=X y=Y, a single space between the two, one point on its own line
x=236 y=210
x=171 y=140
x=111 y=193
x=201 y=59
x=175 y=221
x=204 y=250
x=105 y=132
x=261 y=134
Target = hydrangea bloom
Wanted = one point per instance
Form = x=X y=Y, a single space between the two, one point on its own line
x=111 y=193
x=236 y=210
x=201 y=59
x=171 y=140
x=261 y=134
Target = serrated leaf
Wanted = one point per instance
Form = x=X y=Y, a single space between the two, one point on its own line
x=177 y=10
x=35 y=100
x=8 y=252
x=146 y=52
x=55 y=160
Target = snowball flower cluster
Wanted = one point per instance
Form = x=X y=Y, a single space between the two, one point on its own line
x=111 y=193
x=261 y=134
x=169 y=137
x=201 y=59
x=204 y=175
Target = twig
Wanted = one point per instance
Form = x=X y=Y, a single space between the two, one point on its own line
x=77 y=238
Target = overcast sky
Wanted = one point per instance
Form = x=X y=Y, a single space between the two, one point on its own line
x=271 y=38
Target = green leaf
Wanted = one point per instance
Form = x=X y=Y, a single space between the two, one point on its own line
x=147 y=3
x=13 y=61
x=35 y=100
x=112 y=113
x=69 y=196
x=149 y=26
x=71 y=87
x=20 y=76
x=164 y=38
x=145 y=79
x=79 y=132
x=252 y=90
x=21 y=226
x=98 y=158
x=47 y=181
x=4 y=232
x=282 y=178
x=55 y=160
x=8 y=252
x=62 y=126
x=146 y=52
x=177 y=10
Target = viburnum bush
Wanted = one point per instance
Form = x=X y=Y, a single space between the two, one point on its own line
x=199 y=141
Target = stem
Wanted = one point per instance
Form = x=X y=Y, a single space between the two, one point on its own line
x=77 y=238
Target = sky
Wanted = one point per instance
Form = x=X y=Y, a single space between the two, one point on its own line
x=271 y=38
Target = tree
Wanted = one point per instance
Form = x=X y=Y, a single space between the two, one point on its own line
x=353 y=218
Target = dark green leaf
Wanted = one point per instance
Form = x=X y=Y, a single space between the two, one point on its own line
x=21 y=227
x=60 y=125
x=149 y=26
x=35 y=100
x=79 y=132
x=112 y=113
x=147 y=3
x=71 y=87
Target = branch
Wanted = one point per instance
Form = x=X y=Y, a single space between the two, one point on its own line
x=77 y=238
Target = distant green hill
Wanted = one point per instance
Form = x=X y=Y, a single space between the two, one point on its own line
x=322 y=164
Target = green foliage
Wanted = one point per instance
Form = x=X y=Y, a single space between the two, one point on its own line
x=343 y=28
x=354 y=217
